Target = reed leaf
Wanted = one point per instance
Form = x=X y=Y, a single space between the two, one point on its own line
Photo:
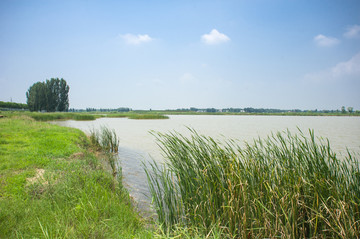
x=286 y=185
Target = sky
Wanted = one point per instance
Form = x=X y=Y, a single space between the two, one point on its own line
x=284 y=54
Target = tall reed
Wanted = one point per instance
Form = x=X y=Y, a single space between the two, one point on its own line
x=288 y=186
x=107 y=141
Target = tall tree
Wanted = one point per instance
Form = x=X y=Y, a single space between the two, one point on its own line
x=51 y=95
x=343 y=109
x=36 y=97
x=63 y=96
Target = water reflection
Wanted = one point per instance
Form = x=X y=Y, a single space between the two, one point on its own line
x=134 y=177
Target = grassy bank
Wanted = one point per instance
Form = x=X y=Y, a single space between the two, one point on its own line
x=83 y=116
x=286 y=186
x=51 y=116
x=52 y=186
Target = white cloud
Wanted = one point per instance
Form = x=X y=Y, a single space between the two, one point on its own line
x=187 y=78
x=325 y=41
x=214 y=37
x=342 y=71
x=352 y=32
x=347 y=68
x=136 y=39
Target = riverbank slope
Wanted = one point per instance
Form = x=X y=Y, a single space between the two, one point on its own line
x=53 y=186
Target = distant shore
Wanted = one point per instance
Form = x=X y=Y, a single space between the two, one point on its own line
x=152 y=114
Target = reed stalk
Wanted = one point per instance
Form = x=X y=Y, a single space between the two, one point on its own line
x=287 y=185
x=107 y=141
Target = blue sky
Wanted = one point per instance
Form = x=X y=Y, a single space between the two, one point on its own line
x=283 y=54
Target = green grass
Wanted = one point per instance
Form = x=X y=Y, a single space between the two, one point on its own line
x=286 y=186
x=147 y=116
x=51 y=116
x=83 y=116
x=52 y=186
x=60 y=116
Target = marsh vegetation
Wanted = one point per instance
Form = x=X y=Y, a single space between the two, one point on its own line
x=288 y=186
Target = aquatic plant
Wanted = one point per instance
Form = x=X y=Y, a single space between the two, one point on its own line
x=107 y=141
x=59 y=116
x=136 y=115
x=147 y=116
x=288 y=186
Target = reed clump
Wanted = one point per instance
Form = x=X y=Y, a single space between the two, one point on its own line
x=138 y=116
x=287 y=186
x=107 y=141
x=147 y=116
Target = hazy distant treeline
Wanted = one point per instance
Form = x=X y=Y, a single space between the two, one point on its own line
x=258 y=110
x=121 y=109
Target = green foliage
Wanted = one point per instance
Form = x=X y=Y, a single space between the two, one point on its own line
x=60 y=116
x=51 y=95
x=12 y=105
x=107 y=141
x=36 y=97
x=51 y=186
x=63 y=96
x=343 y=109
x=288 y=186
x=147 y=116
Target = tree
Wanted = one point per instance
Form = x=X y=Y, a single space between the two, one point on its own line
x=350 y=109
x=63 y=96
x=51 y=95
x=343 y=110
x=36 y=97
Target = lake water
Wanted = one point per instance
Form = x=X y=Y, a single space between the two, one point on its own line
x=137 y=145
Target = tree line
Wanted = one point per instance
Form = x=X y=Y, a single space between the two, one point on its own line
x=51 y=95
x=261 y=110
x=12 y=105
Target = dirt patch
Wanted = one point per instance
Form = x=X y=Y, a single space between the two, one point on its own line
x=78 y=155
x=39 y=177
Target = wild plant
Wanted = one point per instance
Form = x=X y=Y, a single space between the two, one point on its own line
x=107 y=141
x=288 y=186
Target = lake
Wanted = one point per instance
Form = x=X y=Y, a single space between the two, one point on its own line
x=138 y=145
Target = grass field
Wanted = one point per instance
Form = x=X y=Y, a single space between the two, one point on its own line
x=52 y=186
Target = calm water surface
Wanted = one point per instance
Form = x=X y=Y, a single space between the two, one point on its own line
x=138 y=145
